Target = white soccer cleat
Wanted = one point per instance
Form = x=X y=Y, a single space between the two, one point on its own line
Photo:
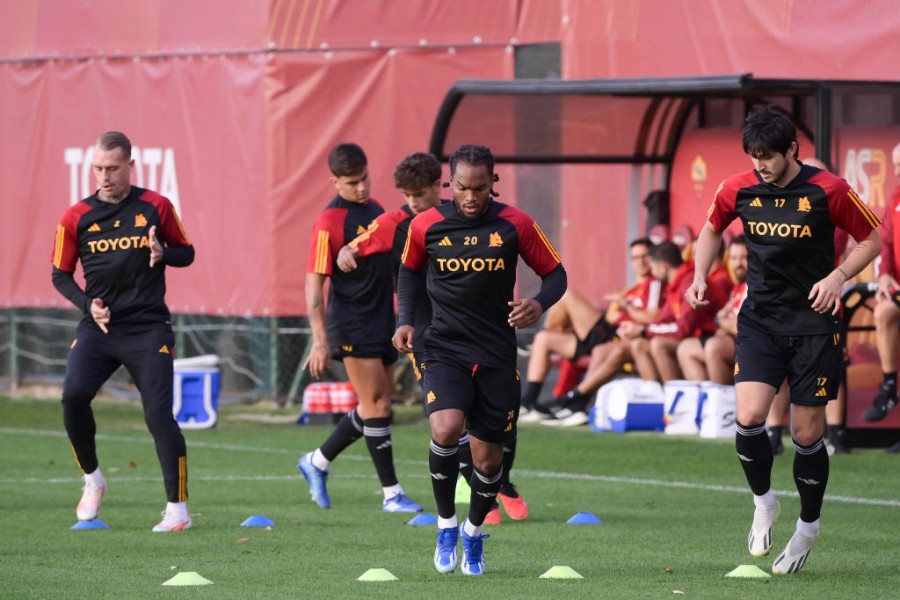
x=174 y=520
x=759 y=541
x=533 y=416
x=91 y=497
x=573 y=420
x=794 y=555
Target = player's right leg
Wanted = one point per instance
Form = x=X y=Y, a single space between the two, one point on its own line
x=546 y=342
x=90 y=363
x=719 y=354
x=449 y=389
x=373 y=378
x=887 y=339
x=755 y=454
x=692 y=359
x=581 y=313
x=757 y=379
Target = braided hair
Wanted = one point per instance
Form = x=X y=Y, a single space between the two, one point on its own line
x=474 y=155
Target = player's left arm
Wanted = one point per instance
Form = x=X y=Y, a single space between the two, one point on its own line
x=411 y=285
x=538 y=253
x=850 y=213
x=169 y=244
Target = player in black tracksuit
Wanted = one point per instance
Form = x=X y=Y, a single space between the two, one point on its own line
x=124 y=237
x=468 y=251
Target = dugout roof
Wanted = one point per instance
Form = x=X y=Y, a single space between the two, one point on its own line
x=619 y=121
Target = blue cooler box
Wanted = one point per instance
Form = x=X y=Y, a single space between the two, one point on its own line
x=634 y=404
x=196 y=398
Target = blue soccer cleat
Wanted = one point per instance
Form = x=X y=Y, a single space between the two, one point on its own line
x=401 y=504
x=473 y=552
x=315 y=477
x=445 y=552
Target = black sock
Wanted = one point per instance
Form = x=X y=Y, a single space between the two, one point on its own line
x=811 y=477
x=348 y=430
x=755 y=453
x=484 y=495
x=509 y=457
x=465 y=457
x=378 y=440
x=443 y=463
x=890 y=380
x=531 y=392
x=835 y=433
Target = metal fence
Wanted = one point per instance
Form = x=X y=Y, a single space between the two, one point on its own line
x=261 y=358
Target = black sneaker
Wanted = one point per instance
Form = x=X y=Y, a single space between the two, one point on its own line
x=883 y=403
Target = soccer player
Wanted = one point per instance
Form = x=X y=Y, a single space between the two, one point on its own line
x=464 y=254
x=360 y=320
x=418 y=177
x=124 y=236
x=788 y=325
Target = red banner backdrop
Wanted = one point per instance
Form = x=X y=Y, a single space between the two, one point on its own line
x=199 y=131
x=808 y=39
x=384 y=101
x=233 y=105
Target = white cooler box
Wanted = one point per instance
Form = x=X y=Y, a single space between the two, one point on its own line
x=718 y=411
x=682 y=416
x=628 y=404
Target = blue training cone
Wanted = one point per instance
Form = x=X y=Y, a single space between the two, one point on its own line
x=93 y=524
x=584 y=518
x=423 y=519
x=258 y=521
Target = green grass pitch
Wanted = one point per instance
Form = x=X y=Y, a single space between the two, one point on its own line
x=675 y=516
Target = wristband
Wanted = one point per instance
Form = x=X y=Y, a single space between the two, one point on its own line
x=841 y=271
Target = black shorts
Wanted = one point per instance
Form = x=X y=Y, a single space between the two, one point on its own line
x=386 y=352
x=811 y=363
x=600 y=333
x=488 y=396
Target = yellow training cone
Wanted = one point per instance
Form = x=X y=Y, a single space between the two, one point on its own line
x=377 y=575
x=188 y=578
x=747 y=571
x=558 y=572
x=462 y=491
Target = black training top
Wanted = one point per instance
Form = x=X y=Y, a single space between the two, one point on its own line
x=790 y=243
x=360 y=303
x=471 y=276
x=112 y=243
x=387 y=234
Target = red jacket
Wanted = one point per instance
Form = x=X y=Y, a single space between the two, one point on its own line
x=890 y=249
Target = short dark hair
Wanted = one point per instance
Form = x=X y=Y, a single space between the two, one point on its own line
x=641 y=242
x=768 y=129
x=115 y=139
x=416 y=171
x=473 y=155
x=738 y=239
x=666 y=252
x=347 y=159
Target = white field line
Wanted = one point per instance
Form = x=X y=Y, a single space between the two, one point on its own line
x=523 y=473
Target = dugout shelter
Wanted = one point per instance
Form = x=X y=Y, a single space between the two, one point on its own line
x=655 y=127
